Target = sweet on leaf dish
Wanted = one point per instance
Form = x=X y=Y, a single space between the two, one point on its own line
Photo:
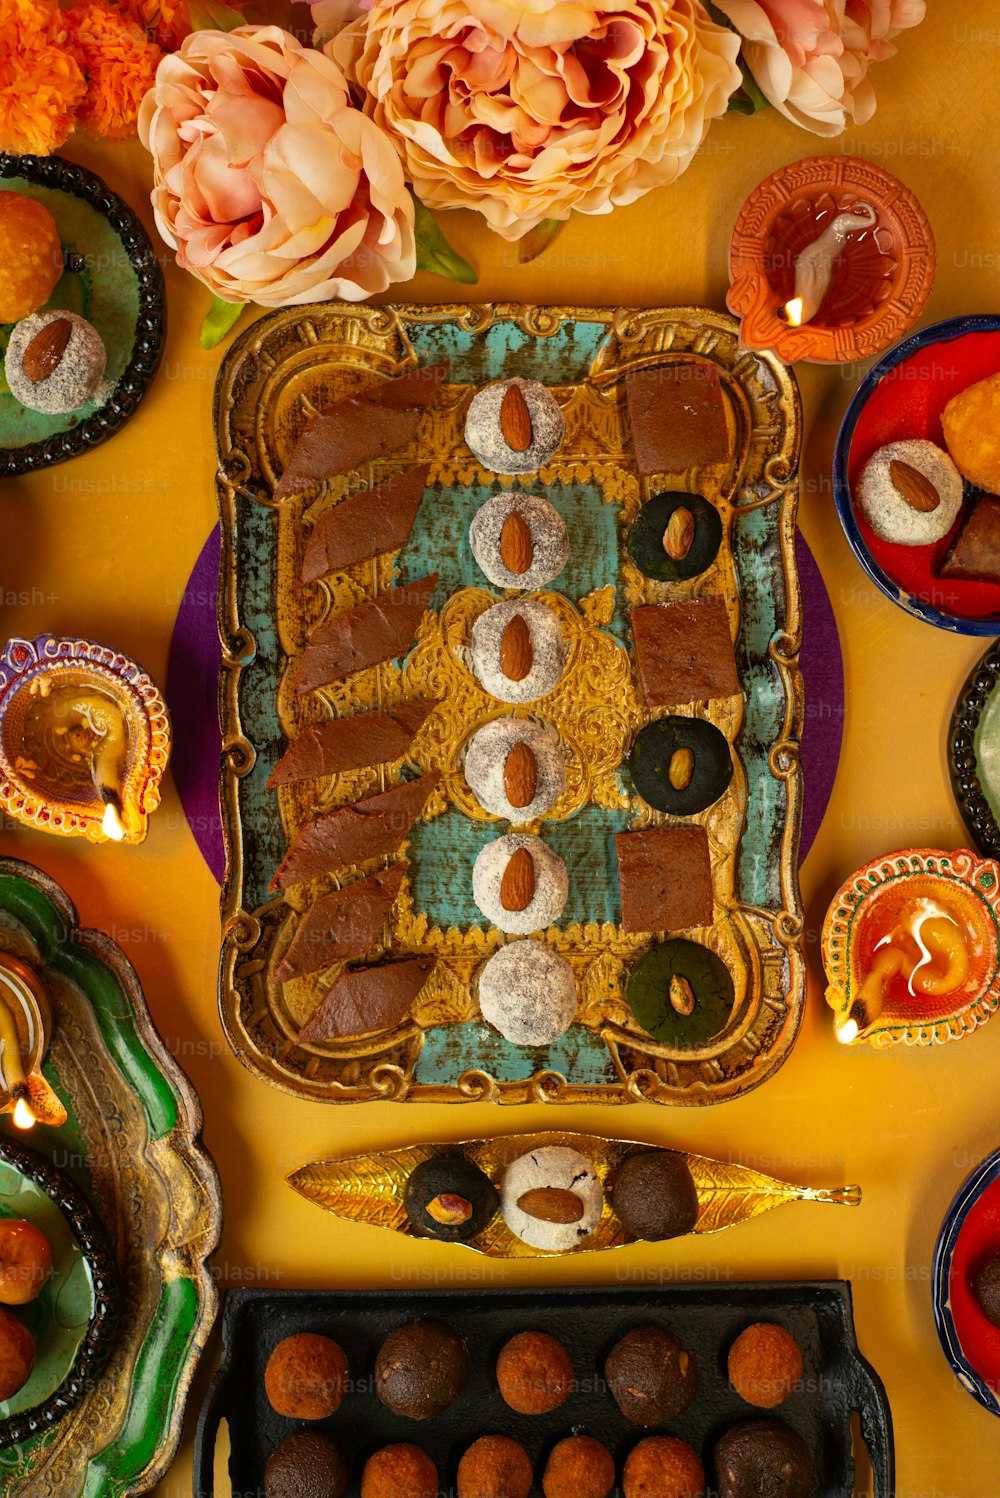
x=551 y=1198
x=450 y=1198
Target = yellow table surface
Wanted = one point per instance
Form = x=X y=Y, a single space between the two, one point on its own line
x=102 y=546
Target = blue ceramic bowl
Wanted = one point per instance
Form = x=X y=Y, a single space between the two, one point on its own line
x=971 y=1190
x=937 y=333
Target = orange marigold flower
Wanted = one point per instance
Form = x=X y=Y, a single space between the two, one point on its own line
x=166 y=21
x=120 y=64
x=41 y=83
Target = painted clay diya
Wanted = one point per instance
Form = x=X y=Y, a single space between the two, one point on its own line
x=911 y=948
x=831 y=260
x=970 y=1234
x=974 y=752
x=84 y=739
x=371 y=1188
x=25 y=1032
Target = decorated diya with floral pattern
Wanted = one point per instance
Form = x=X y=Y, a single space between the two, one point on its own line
x=84 y=739
x=846 y=238
x=911 y=948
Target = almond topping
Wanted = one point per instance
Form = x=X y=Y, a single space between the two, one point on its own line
x=550 y=1204
x=449 y=1210
x=520 y=774
x=515 y=419
x=45 y=350
x=516 y=654
x=915 y=487
x=517 y=549
x=517 y=887
x=680 y=769
x=679 y=534
x=681 y=996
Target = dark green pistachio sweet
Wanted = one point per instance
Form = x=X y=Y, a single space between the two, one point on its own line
x=662 y=984
x=675 y=536
x=680 y=765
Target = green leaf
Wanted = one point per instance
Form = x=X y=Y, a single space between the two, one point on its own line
x=219 y=318
x=748 y=99
x=214 y=15
x=434 y=253
x=538 y=239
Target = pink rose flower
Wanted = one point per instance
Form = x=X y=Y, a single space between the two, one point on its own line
x=810 y=58
x=269 y=183
x=529 y=109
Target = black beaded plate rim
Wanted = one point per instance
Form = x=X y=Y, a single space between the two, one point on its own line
x=100 y=1335
x=972 y=803
x=151 y=322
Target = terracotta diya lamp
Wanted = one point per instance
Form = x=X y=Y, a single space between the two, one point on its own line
x=25 y=1031
x=911 y=948
x=832 y=259
x=84 y=739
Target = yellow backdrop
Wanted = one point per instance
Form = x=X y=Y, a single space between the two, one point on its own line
x=112 y=565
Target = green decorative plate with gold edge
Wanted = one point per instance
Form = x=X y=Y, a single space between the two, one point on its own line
x=132 y=1142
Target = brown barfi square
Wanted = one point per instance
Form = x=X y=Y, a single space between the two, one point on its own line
x=678 y=417
x=665 y=876
x=974 y=554
x=684 y=651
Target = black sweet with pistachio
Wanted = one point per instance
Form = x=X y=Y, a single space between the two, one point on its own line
x=645 y=538
x=665 y=981
x=653 y=752
x=444 y=1187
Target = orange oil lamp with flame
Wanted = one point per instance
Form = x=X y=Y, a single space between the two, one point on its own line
x=25 y=1031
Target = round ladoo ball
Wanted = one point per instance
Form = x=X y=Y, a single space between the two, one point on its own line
x=549 y=884
x=578 y=1467
x=663 y=1467
x=764 y=1364
x=762 y=1457
x=675 y=536
x=986 y=1289
x=400 y=1471
x=652 y=1376
x=536 y=541
x=421 y=1369
x=306 y=1376
x=534 y=1373
x=910 y=492
x=552 y=1198
x=70 y=373
x=539 y=430
x=449 y=1198
x=528 y=993
x=681 y=993
x=31 y=255
x=654 y=1196
x=495 y=1467
x=680 y=765
x=306 y=1465
x=535 y=675
x=489 y=770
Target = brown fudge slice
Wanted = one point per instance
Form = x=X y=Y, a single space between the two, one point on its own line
x=367 y=999
x=373 y=738
x=367 y=829
x=975 y=552
x=677 y=416
x=684 y=651
x=380 y=420
x=365 y=525
x=377 y=630
x=666 y=878
x=343 y=924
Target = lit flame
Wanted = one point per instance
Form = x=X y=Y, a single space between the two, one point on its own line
x=848 y=1032
x=112 y=824
x=24 y=1118
x=792 y=312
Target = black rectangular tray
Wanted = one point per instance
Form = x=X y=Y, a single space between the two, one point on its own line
x=837 y=1380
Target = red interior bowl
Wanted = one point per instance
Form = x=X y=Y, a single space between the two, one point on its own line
x=978 y=1239
x=903 y=397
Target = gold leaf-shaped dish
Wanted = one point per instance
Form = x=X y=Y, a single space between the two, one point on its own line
x=369 y=1188
x=880 y=916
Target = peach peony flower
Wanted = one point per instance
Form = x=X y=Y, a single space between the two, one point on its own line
x=119 y=62
x=271 y=185
x=810 y=58
x=41 y=84
x=529 y=109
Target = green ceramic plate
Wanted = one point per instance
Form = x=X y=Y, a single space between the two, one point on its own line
x=132 y=1143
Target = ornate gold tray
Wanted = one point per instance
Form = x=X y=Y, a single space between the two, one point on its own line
x=370 y=1188
x=284 y=368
